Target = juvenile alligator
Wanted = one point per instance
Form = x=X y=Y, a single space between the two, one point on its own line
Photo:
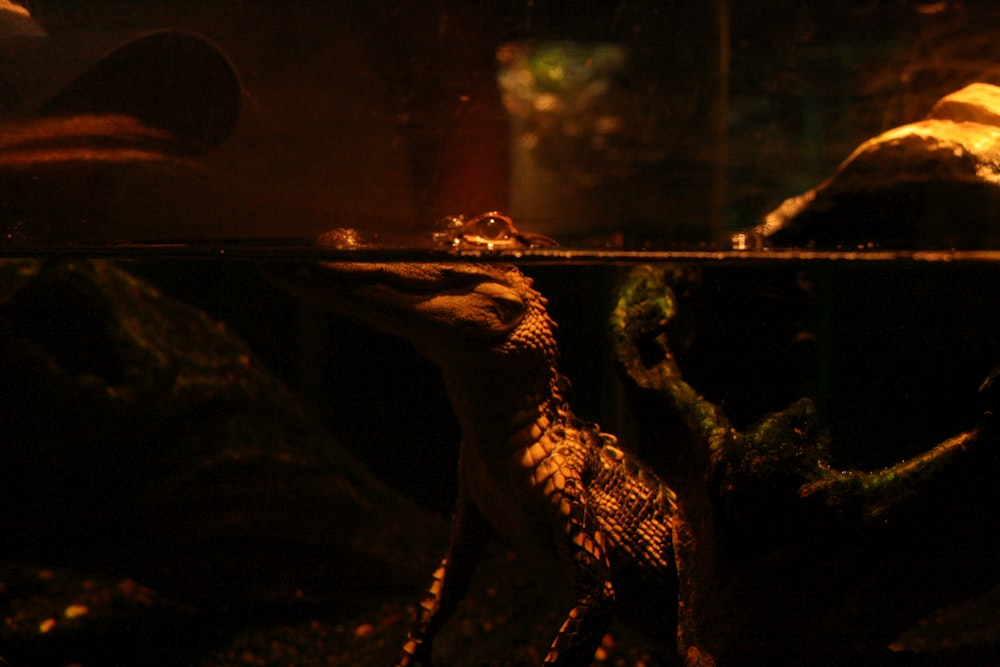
x=555 y=488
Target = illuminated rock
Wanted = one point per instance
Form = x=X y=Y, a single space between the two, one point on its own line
x=930 y=184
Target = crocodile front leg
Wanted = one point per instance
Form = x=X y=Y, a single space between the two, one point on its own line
x=470 y=532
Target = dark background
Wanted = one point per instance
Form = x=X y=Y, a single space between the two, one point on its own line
x=385 y=116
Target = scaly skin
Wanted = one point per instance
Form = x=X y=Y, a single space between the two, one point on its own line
x=556 y=489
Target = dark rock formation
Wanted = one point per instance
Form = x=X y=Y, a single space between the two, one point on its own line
x=143 y=443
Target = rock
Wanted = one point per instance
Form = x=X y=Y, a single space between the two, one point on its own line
x=934 y=183
x=976 y=103
x=144 y=442
x=65 y=615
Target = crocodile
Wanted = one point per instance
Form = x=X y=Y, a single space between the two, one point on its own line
x=558 y=490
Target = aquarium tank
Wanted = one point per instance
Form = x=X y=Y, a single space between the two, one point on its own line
x=499 y=333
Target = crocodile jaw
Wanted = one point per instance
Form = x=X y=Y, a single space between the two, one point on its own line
x=483 y=325
x=436 y=306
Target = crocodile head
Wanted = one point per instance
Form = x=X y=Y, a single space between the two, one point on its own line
x=483 y=324
x=443 y=308
x=433 y=305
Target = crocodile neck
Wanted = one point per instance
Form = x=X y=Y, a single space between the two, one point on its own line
x=505 y=397
x=504 y=409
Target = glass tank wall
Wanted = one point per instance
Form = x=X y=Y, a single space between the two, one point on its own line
x=270 y=270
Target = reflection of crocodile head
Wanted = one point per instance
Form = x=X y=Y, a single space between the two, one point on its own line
x=487 y=231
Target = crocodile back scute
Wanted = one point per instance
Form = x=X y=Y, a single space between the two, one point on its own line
x=635 y=508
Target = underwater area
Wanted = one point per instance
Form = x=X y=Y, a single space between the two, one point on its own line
x=674 y=326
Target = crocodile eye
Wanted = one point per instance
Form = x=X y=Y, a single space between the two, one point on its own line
x=493 y=228
x=488 y=230
x=509 y=311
